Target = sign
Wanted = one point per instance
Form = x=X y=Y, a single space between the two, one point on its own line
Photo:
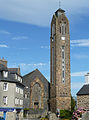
x=6 y=109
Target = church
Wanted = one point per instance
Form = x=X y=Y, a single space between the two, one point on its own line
x=56 y=95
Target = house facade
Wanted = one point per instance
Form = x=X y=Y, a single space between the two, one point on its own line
x=83 y=94
x=11 y=92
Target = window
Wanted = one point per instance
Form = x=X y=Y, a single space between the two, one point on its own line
x=16 y=101
x=63 y=75
x=53 y=30
x=21 y=91
x=60 y=29
x=5 y=74
x=21 y=102
x=5 y=100
x=63 y=29
x=17 y=89
x=16 y=76
x=52 y=65
x=62 y=54
x=5 y=86
x=21 y=80
x=25 y=95
x=63 y=64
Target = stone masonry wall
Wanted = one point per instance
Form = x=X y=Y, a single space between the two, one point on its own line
x=83 y=101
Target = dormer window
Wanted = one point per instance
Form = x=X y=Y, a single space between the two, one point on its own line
x=21 y=80
x=5 y=74
x=16 y=76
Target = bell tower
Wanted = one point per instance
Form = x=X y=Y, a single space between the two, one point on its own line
x=60 y=84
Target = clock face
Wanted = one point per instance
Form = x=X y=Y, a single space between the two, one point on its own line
x=63 y=38
x=52 y=39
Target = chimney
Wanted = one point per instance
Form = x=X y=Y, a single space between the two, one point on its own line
x=3 y=62
x=87 y=78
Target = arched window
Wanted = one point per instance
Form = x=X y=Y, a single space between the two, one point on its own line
x=36 y=96
x=63 y=29
x=53 y=30
x=52 y=65
x=60 y=29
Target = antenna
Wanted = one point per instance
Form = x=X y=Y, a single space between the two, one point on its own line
x=59 y=3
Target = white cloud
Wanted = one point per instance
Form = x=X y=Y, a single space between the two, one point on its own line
x=3 y=46
x=78 y=74
x=38 y=12
x=26 y=68
x=80 y=43
x=79 y=56
x=33 y=65
x=20 y=38
x=45 y=47
x=4 y=32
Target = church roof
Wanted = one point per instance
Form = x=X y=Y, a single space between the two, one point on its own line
x=84 y=90
x=35 y=73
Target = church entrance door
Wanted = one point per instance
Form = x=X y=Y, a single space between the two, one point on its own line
x=36 y=105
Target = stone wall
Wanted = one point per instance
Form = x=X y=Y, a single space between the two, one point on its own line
x=52 y=116
x=85 y=116
x=83 y=101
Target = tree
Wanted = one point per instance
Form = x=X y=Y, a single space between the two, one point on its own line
x=73 y=104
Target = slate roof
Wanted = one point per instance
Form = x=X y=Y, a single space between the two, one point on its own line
x=27 y=79
x=84 y=90
x=35 y=73
x=11 y=77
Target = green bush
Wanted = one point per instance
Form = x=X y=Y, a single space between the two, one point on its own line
x=66 y=114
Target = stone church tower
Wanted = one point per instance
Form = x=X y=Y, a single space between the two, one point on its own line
x=60 y=85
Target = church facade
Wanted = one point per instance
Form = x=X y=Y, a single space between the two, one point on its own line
x=56 y=95
x=36 y=91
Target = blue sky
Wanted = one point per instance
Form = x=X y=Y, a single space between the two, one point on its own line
x=25 y=36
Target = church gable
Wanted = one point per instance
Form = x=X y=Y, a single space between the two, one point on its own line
x=37 y=90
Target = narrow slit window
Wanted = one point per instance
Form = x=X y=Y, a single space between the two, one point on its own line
x=52 y=65
x=63 y=64
x=60 y=29
x=63 y=29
